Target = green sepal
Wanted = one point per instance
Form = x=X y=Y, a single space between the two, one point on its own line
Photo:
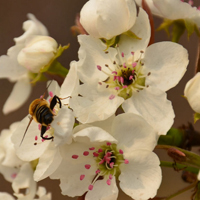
x=131 y=35
x=52 y=61
x=34 y=164
x=37 y=77
x=196 y=117
x=174 y=137
x=179 y=26
x=178 y=30
x=53 y=67
x=58 y=69
x=110 y=43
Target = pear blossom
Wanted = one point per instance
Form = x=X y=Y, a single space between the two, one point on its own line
x=173 y=10
x=192 y=92
x=98 y=158
x=106 y=19
x=48 y=151
x=13 y=71
x=135 y=76
x=37 y=53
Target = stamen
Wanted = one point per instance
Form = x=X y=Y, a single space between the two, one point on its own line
x=132 y=53
x=51 y=94
x=92 y=148
x=87 y=166
x=36 y=137
x=39 y=127
x=112 y=96
x=86 y=153
x=190 y=2
x=99 y=67
x=100 y=150
x=90 y=187
x=108 y=182
x=117 y=88
x=125 y=86
x=110 y=176
x=108 y=143
x=82 y=177
x=98 y=171
x=134 y=64
x=126 y=161
x=130 y=77
x=112 y=164
x=122 y=54
x=120 y=151
x=114 y=72
x=13 y=176
x=95 y=154
x=74 y=156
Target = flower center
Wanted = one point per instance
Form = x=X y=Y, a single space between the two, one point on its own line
x=108 y=160
x=127 y=76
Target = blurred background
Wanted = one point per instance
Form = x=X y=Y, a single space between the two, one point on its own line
x=58 y=16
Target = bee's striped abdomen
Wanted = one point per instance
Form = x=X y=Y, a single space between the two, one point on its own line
x=44 y=115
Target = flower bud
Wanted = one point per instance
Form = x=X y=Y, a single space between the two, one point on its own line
x=106 y=19
x=192 y=92
x=37 y=53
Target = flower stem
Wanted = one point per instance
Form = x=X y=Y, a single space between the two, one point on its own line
x=182 y=191
x=179 y=166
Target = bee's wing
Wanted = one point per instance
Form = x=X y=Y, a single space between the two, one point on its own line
x=26 y=130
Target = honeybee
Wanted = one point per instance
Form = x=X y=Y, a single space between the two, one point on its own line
x=42 y=112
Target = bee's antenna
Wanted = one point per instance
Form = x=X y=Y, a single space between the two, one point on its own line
x=42 y=97
x=26 y=130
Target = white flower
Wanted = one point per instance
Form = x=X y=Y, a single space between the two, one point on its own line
x=10 y=164
x=12 y=70
x=48 y=151
x=106 y=19
x=37 y=53
x=173 y=10
x=192 y=92
x=97 y=159
x=135 y=76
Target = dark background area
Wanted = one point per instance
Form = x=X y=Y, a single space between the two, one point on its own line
x=58 y=16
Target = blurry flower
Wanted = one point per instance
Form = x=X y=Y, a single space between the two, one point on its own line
x=192 y=92
x=108 y=151
x=37 y=53
x=106 y=19
x=12 y=70
x=173 y=10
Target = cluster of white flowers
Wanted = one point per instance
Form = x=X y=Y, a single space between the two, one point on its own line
x=87 y=146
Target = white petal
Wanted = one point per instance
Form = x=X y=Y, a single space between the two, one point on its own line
x=167 y=62
x=153 y=106
x=70 y=170
x=93 y=134
x=91 y=53
x=9 y=173
x=63 y=125
x=28 y=151
x=115 y=17
x=142 y=29
x=6 y=196
x=103 y=191
x=192 y=92
x=94 y=105
x=23 y=180
x=48 y=163
x=9 y=67
x=18 y=96
x=168 y=9
x=133 y=132
x=151 y=5
x=31 y=27
x=53 y=88
x=141 y=177
x=70 y=83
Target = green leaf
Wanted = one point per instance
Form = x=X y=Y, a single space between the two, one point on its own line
x=131 y=35
x=196 y=117
x=110 y=43
x=37 y=77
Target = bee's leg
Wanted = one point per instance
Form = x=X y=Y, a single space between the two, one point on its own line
x=54 y=101
x=43 y=130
